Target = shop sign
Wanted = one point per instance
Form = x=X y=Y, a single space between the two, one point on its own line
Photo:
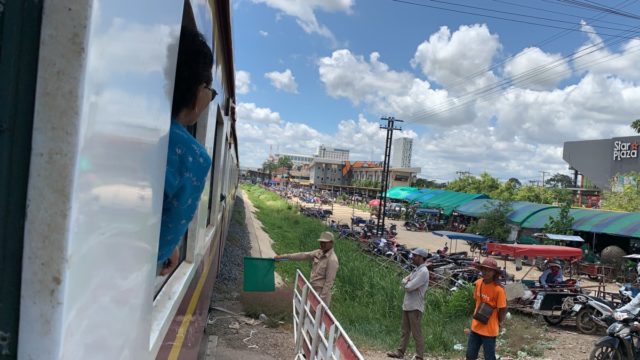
x=624 y=150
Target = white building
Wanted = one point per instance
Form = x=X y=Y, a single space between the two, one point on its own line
x=295 y=158
x=401 y=152
x=332 y=153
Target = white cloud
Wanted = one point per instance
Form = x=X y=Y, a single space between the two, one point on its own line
x=304 y=12
x=534 y=69
x=385 y=91
x=596 y=107
x=263 y=33
x=243 y=82
x=450 y=59
x=596 y=58
x=362 y=137
x=249 y=112
x=283 y=80
x=517 y=132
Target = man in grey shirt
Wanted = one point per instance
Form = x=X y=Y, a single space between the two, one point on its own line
x=415 y=286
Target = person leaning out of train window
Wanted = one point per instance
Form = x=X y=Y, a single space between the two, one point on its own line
x=187 y=160
x=552 y=275
x=324 y=267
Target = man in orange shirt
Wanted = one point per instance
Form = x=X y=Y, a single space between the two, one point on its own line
x=490 y=292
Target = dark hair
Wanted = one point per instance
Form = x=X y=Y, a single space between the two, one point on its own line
x=193 y=69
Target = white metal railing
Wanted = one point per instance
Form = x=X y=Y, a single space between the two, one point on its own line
x=317 y=333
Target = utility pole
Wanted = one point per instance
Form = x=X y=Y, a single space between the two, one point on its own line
x=543 y=174
x=384 y=184
x=462 y=173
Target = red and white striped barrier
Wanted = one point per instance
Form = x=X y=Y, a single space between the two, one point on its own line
x=317 y=334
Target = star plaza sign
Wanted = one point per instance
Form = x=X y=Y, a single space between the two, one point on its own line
x=624 y=150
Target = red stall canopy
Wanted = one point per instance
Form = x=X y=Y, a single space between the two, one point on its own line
x=548 y=251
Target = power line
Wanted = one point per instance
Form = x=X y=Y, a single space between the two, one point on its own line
x=507 y=19
x=559 y=12
x=527 y=75
x=531 y=73
x=520 y=15
x=598 y=7
x=546 y=41
x=496 y=89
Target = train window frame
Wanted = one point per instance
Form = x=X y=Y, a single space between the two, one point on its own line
x=174 y=287
x=214 y=183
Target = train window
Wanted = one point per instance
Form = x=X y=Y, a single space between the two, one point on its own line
x=188 y=162
x=214 y=184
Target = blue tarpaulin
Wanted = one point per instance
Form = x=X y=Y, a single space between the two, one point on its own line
x=461 y=236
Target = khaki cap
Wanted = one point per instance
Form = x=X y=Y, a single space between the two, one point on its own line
x=326 y=236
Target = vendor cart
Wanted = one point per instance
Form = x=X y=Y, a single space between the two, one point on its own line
x=597 y=271
x=475 y=241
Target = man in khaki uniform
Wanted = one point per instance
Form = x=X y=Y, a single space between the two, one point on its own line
x=324 y=268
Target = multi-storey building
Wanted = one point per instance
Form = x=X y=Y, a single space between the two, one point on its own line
x=327 y=172
x=296 y=159
x=332 y=153
x=401 y=152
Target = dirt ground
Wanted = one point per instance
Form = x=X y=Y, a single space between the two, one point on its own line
x=238 y=337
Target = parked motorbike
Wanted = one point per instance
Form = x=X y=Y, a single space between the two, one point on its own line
x=590 y=312
x=620 y=341
x=598 y=313
x=415 y=225
x=393 y=229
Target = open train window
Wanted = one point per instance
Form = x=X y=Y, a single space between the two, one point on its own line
x=214 y=185
x=188 y=163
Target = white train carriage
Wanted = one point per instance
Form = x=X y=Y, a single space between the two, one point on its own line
x=85 y=109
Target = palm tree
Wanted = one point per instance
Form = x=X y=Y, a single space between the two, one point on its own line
x=635 y=125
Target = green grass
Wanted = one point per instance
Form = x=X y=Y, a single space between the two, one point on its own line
x=367 y=297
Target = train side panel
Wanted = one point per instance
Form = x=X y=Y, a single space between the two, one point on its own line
x=94 y=202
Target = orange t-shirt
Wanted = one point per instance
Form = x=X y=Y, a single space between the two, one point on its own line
x=494 y=295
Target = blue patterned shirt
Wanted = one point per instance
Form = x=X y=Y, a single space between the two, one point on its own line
x=187 y=167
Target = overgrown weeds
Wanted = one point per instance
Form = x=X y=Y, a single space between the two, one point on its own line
x=367 y=298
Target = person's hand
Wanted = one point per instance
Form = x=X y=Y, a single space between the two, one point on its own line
x=277 y=257
x=171 y=263
x=467 y=331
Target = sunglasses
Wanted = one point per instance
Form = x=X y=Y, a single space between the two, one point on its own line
x=213 y=92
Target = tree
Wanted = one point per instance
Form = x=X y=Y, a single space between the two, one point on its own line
x=483 y=184
x=493 y=223
x=559 y=181
x=515 y=183
x=424 y=183
x=269 y=166
x=627 y=199
x=285 y=162
x=562 y=223
x=635 y=125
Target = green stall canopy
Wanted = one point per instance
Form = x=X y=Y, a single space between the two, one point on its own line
x=449 y=200
x=596 y=221
x=527 y=210
x=400 y=192
x=519 y=209
x=425 y=195
x=259 y=274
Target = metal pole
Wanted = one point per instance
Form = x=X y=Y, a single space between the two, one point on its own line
x=384 y=183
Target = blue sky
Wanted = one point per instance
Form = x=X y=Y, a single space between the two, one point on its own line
x=324 y=71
